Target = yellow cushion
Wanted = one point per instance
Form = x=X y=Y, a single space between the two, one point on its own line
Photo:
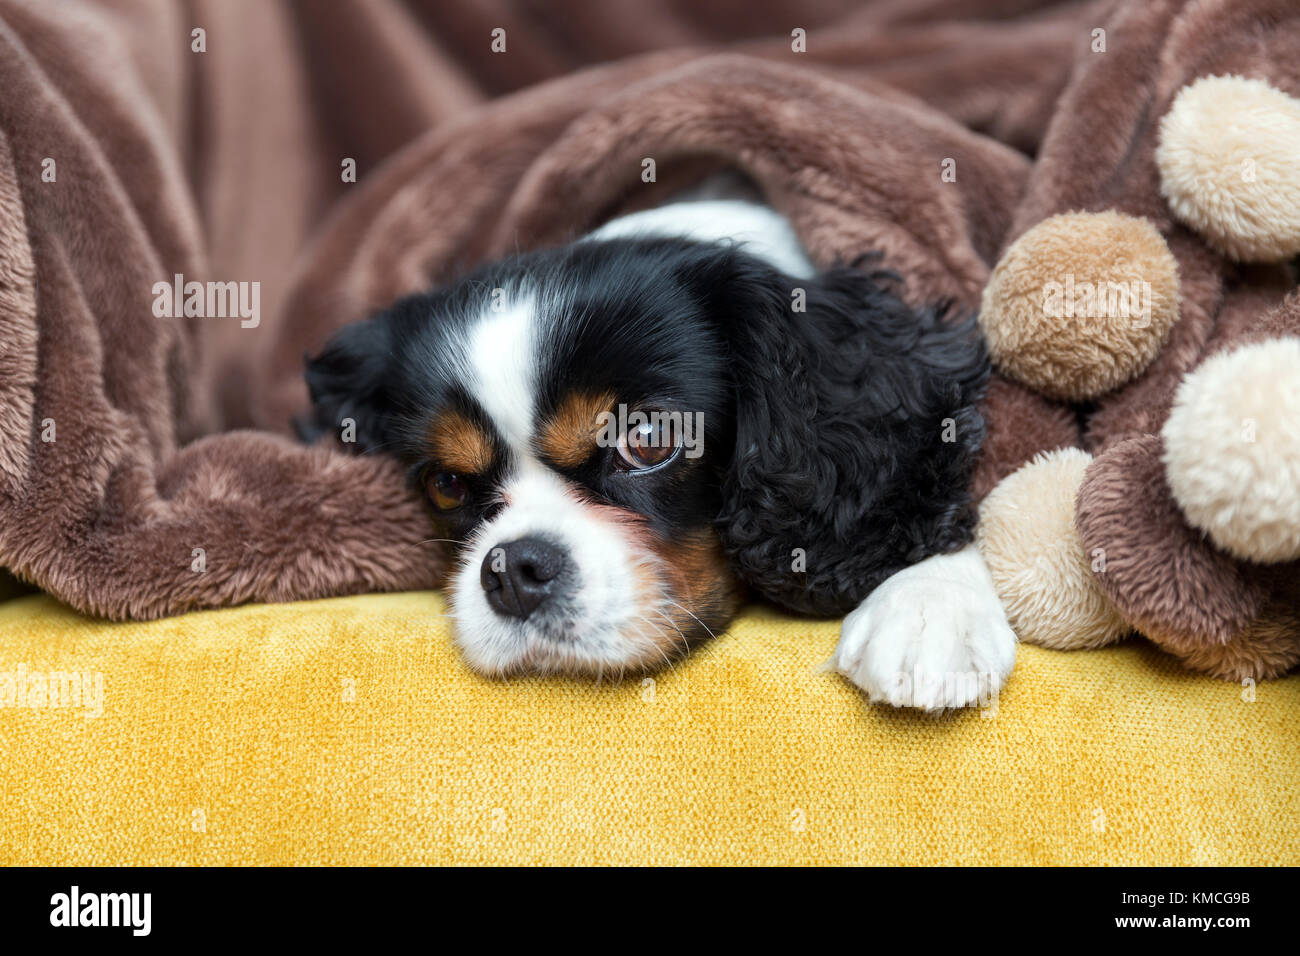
x=348 y=731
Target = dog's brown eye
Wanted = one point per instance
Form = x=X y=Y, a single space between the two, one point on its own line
x=447 y=491
x=648 y=444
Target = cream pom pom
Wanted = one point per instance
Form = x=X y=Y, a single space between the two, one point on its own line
x=1232 y=450
x=1042 y=574
x=1229 y=159
x=1081 y=303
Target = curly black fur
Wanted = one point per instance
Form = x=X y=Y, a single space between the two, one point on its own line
x=856 y=434
x=350 y=380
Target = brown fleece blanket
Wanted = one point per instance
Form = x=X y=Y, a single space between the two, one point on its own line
x=146 y=466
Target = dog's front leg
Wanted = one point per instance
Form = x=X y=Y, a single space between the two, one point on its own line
x=932 y=636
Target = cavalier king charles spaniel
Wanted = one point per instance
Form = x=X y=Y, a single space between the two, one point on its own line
x=624 y=437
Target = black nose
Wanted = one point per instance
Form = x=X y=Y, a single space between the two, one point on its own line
x=520 y=575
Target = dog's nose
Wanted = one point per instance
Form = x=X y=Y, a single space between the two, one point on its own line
x=520 y=575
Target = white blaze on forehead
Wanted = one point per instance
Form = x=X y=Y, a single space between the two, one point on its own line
x=502 y=360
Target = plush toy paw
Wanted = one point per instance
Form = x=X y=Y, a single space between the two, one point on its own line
x=1042 y=574
x=1232 y=450
x=1161 y=574
x=932 y=636
x=1229 y=159
x=1269 y=647
x=1081 y=304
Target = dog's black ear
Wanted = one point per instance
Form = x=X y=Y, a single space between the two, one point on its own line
x=350 y=382
x=856 y=432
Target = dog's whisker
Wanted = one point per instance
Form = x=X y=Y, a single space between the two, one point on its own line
x=657 y=646
x=697 y=620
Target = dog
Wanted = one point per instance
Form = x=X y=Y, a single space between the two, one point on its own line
x=624 y=437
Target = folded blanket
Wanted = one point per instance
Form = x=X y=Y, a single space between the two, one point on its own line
x=180 y=221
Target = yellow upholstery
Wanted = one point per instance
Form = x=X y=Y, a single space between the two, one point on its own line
x=348 y=731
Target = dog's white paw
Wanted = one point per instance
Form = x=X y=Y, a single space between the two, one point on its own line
x=932 y=636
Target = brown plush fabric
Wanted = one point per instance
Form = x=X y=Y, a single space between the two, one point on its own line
x=1159 y=572
x=1223 y=615
x=1098 y=154
x=126 y=488
x=1019 y=424
x=1227 y=617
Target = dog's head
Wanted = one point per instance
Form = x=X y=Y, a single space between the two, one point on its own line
x=619 y=437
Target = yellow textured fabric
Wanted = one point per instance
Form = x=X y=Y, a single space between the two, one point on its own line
x=348 y=731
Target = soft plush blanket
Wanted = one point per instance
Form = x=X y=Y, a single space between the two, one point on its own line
x=192 y=196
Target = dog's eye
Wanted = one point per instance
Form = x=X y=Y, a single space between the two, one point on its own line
x=447 y=491
x=649 y=444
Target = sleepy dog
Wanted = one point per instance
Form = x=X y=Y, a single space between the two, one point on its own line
x=623 y=437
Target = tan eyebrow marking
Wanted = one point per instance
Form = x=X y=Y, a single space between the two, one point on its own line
x=569 y=436
x=459 y=445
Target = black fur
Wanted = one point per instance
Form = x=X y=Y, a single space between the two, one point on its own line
x=824 y=429
x=350 y=380
x=856 y=434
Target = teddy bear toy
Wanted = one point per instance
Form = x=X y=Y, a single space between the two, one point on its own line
x=1151 y=289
